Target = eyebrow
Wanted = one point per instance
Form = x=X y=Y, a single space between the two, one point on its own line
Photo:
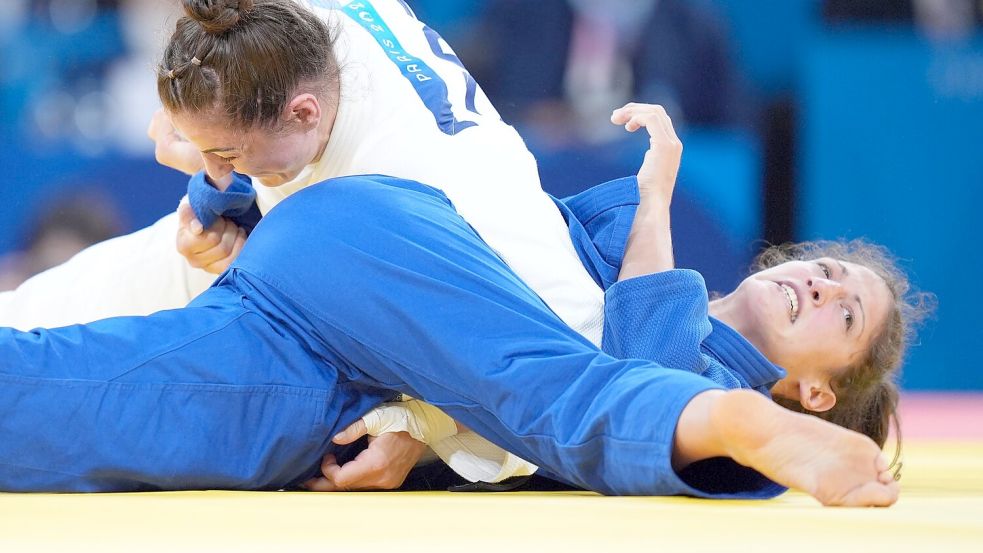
x=856 y=298
x=213 y=150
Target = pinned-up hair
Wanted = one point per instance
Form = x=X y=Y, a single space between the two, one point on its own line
x=244 y=59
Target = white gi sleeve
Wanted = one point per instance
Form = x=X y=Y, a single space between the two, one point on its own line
x=134 y=274
x=466 y=453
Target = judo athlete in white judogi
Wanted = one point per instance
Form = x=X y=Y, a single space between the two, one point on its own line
x=407 y=108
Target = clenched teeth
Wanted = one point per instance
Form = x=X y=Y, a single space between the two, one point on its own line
x=793 y=301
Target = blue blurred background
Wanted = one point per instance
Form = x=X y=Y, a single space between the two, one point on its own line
x=801 y=119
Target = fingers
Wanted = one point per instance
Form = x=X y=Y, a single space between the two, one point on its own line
x=650 y=116
x=355 y=431
x=222 y=264
x=384 y=465
x=881 y=463
x=213 y=249
x=186 y=217
x=320 y=484
x=232 y=242
x=885 y=477
x=885 y=474
x=872 y=494
x=365 y=472
x=358 y=474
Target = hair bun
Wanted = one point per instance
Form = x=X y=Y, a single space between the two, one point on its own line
x=217 y=16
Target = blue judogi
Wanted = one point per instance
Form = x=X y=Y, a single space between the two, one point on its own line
x=662 y=316
x=346 y=291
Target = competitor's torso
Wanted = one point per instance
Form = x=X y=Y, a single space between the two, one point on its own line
x=408 y=108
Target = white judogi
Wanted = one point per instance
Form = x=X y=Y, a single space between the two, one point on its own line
x=407 y=109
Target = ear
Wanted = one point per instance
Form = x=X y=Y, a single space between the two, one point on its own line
x=304 y=109
x=816 y=396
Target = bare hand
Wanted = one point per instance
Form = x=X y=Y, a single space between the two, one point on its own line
x=171 y=149
x=657 y=175
x=384 y=465
x=212 y=249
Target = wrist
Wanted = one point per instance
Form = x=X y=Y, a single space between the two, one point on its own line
x=653 y=200
x=656 y=192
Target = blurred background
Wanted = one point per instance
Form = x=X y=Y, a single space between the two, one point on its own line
x=801 y=119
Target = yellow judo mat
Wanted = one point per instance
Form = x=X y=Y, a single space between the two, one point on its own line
x=940 y=510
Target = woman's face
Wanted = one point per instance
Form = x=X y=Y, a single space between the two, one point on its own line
x=272 y=158
x=813 y=318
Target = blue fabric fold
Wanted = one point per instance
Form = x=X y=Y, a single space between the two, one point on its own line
x=237 y=203
x=599 y=220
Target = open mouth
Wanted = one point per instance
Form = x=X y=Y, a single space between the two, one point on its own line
x=793 y=301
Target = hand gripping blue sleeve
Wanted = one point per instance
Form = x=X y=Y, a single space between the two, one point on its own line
x=237 y=202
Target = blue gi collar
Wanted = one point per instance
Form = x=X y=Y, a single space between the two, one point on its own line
x=741 y=357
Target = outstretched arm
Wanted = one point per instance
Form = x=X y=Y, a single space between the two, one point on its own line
x=649 y=247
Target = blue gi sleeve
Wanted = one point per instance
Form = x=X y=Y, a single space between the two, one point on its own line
x=599 y=220
x=662 y=317
x=237 y=202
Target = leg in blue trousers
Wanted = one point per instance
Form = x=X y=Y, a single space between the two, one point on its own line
x=211 y=396
x=347 y=289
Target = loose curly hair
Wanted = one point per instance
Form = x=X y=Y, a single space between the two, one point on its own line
x=867 y=392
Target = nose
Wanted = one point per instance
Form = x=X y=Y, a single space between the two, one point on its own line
x=822 y=290
x=217 y=169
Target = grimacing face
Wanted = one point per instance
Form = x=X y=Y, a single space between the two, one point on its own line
x=813 y=318
x=273 y=158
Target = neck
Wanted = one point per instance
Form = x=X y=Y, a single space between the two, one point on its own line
x=328 y=120
x=729 y=311
x=723 y=310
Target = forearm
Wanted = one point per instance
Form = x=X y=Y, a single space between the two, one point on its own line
x=649 y=248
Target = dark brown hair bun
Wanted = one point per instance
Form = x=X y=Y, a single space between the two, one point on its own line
x=217 y=16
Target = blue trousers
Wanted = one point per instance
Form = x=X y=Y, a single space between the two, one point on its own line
x=346 y=292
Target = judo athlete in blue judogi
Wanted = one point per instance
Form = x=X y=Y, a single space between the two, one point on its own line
x=245 y=387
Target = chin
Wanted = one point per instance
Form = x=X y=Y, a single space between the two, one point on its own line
x=271 y=181
x=769 y=325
